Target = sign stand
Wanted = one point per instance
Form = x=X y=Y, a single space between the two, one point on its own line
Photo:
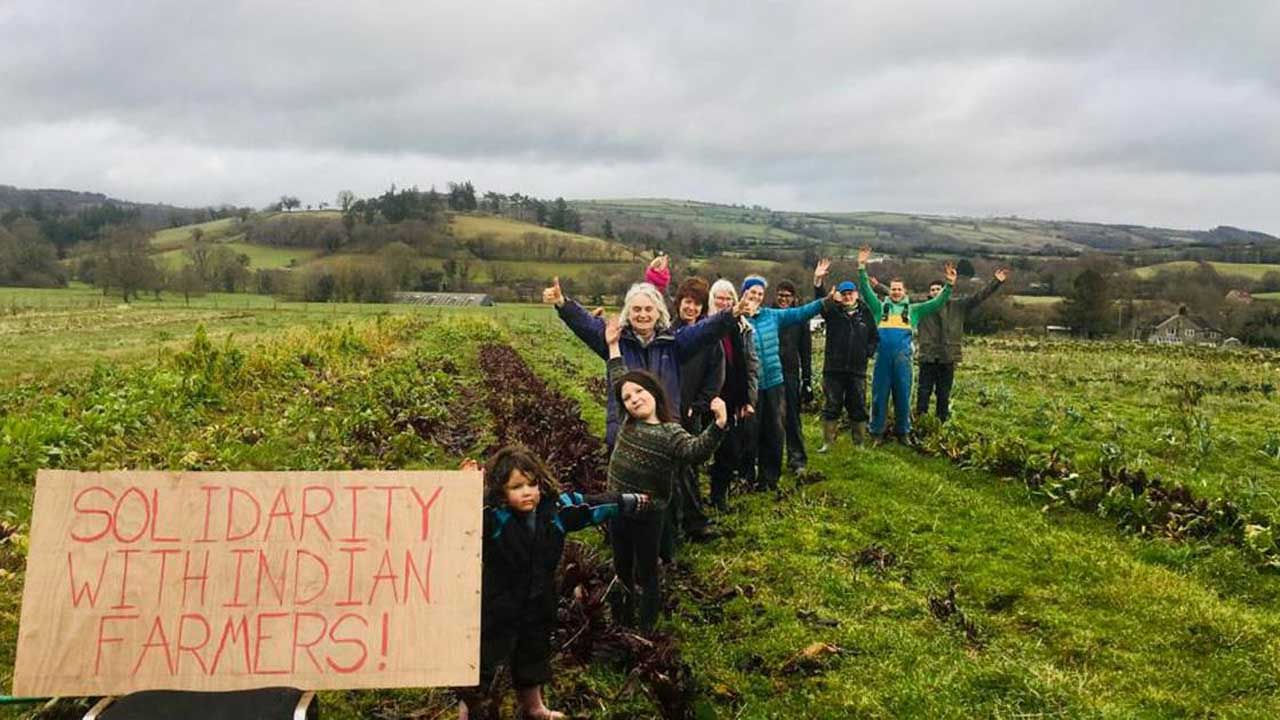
x=278 y=703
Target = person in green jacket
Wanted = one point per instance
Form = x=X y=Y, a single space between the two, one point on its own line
x=896 y=318
x=938 y=341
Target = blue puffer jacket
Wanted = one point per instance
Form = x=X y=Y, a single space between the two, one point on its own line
x=767 y=322
x=662 y=356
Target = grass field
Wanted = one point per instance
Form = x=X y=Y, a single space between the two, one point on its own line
x=170 y=238
x=48 y=332
x=261 y=257
x=1198 y=416
x=575 y=247
x=1056 y=612
x=1249 y=271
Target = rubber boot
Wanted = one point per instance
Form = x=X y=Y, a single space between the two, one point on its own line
x=859 y=433
x=828 y=435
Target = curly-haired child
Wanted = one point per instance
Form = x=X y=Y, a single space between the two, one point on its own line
x=526 y=519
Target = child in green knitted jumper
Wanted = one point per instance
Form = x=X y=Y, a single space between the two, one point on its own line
x=648 y=453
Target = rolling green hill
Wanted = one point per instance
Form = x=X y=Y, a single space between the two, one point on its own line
x=1250 y=271
x=494 y=247
x=740 y=225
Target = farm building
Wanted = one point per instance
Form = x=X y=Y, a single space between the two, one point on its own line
x=1183 y=328
x=445 y=299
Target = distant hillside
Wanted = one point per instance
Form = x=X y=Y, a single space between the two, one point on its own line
x=487 y=248
x=738 y=227
x=1246 y=271
x=46 y=200
x=619 y=230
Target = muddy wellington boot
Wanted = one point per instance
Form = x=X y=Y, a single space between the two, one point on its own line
x=828 y=435
x=859 y=433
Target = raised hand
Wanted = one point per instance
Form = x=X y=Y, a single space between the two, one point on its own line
x=612 y=331
x=1003 y=274
x=553 y=295
x=949 y=270
x=744 y=307
x=864 y=254
x=820 y=271
x=720 y=411
x=470 y=464
x=660 y=262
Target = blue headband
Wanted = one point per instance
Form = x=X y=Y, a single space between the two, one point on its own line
x=846 y=286
x=750 y=283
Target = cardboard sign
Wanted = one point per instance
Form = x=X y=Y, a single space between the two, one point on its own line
x=227 y=581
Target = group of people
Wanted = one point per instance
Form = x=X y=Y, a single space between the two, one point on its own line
x=712 y=373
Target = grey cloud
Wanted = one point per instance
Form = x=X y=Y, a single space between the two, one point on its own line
x=836 y=105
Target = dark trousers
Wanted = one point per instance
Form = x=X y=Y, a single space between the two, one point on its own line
x=935 y=378
x=796 y=457
x=523 y=647
x=635 y=560
x=730 y=460
x=765 y=437
x=844 y=391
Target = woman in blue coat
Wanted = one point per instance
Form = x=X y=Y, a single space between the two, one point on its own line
x=767 y=425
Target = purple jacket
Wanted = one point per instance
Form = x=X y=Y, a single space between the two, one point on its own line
x=662 y=356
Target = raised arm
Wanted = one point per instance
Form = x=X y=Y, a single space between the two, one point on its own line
x=979 y=297
x=869 y=295
x=588 y=328
x=928 y=307
x=578 y=511
x=867 y=292
x=796 y=315
x=615 y=366
x=658 y=274
x=692 y=338
x=698 y=448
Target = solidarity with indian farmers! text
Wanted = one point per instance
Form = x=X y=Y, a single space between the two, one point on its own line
x=316 y=568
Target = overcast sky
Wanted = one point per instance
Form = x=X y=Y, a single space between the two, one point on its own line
x=1160 y=112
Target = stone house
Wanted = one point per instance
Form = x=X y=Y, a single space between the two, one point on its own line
x=1185 y=329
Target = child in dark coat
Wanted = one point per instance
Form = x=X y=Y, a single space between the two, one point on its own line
x=525 y=523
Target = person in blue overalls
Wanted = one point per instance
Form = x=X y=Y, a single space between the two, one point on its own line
x=896 y=318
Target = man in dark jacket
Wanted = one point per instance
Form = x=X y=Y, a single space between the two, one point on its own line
x=795 y=348
x=938 y=343
x=851 y=341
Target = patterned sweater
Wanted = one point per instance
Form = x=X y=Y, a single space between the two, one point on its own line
x=647 y=456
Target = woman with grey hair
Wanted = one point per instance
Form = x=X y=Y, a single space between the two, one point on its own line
x=648 y=341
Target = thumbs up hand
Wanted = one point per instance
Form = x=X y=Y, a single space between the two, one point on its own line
x=553 y=295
